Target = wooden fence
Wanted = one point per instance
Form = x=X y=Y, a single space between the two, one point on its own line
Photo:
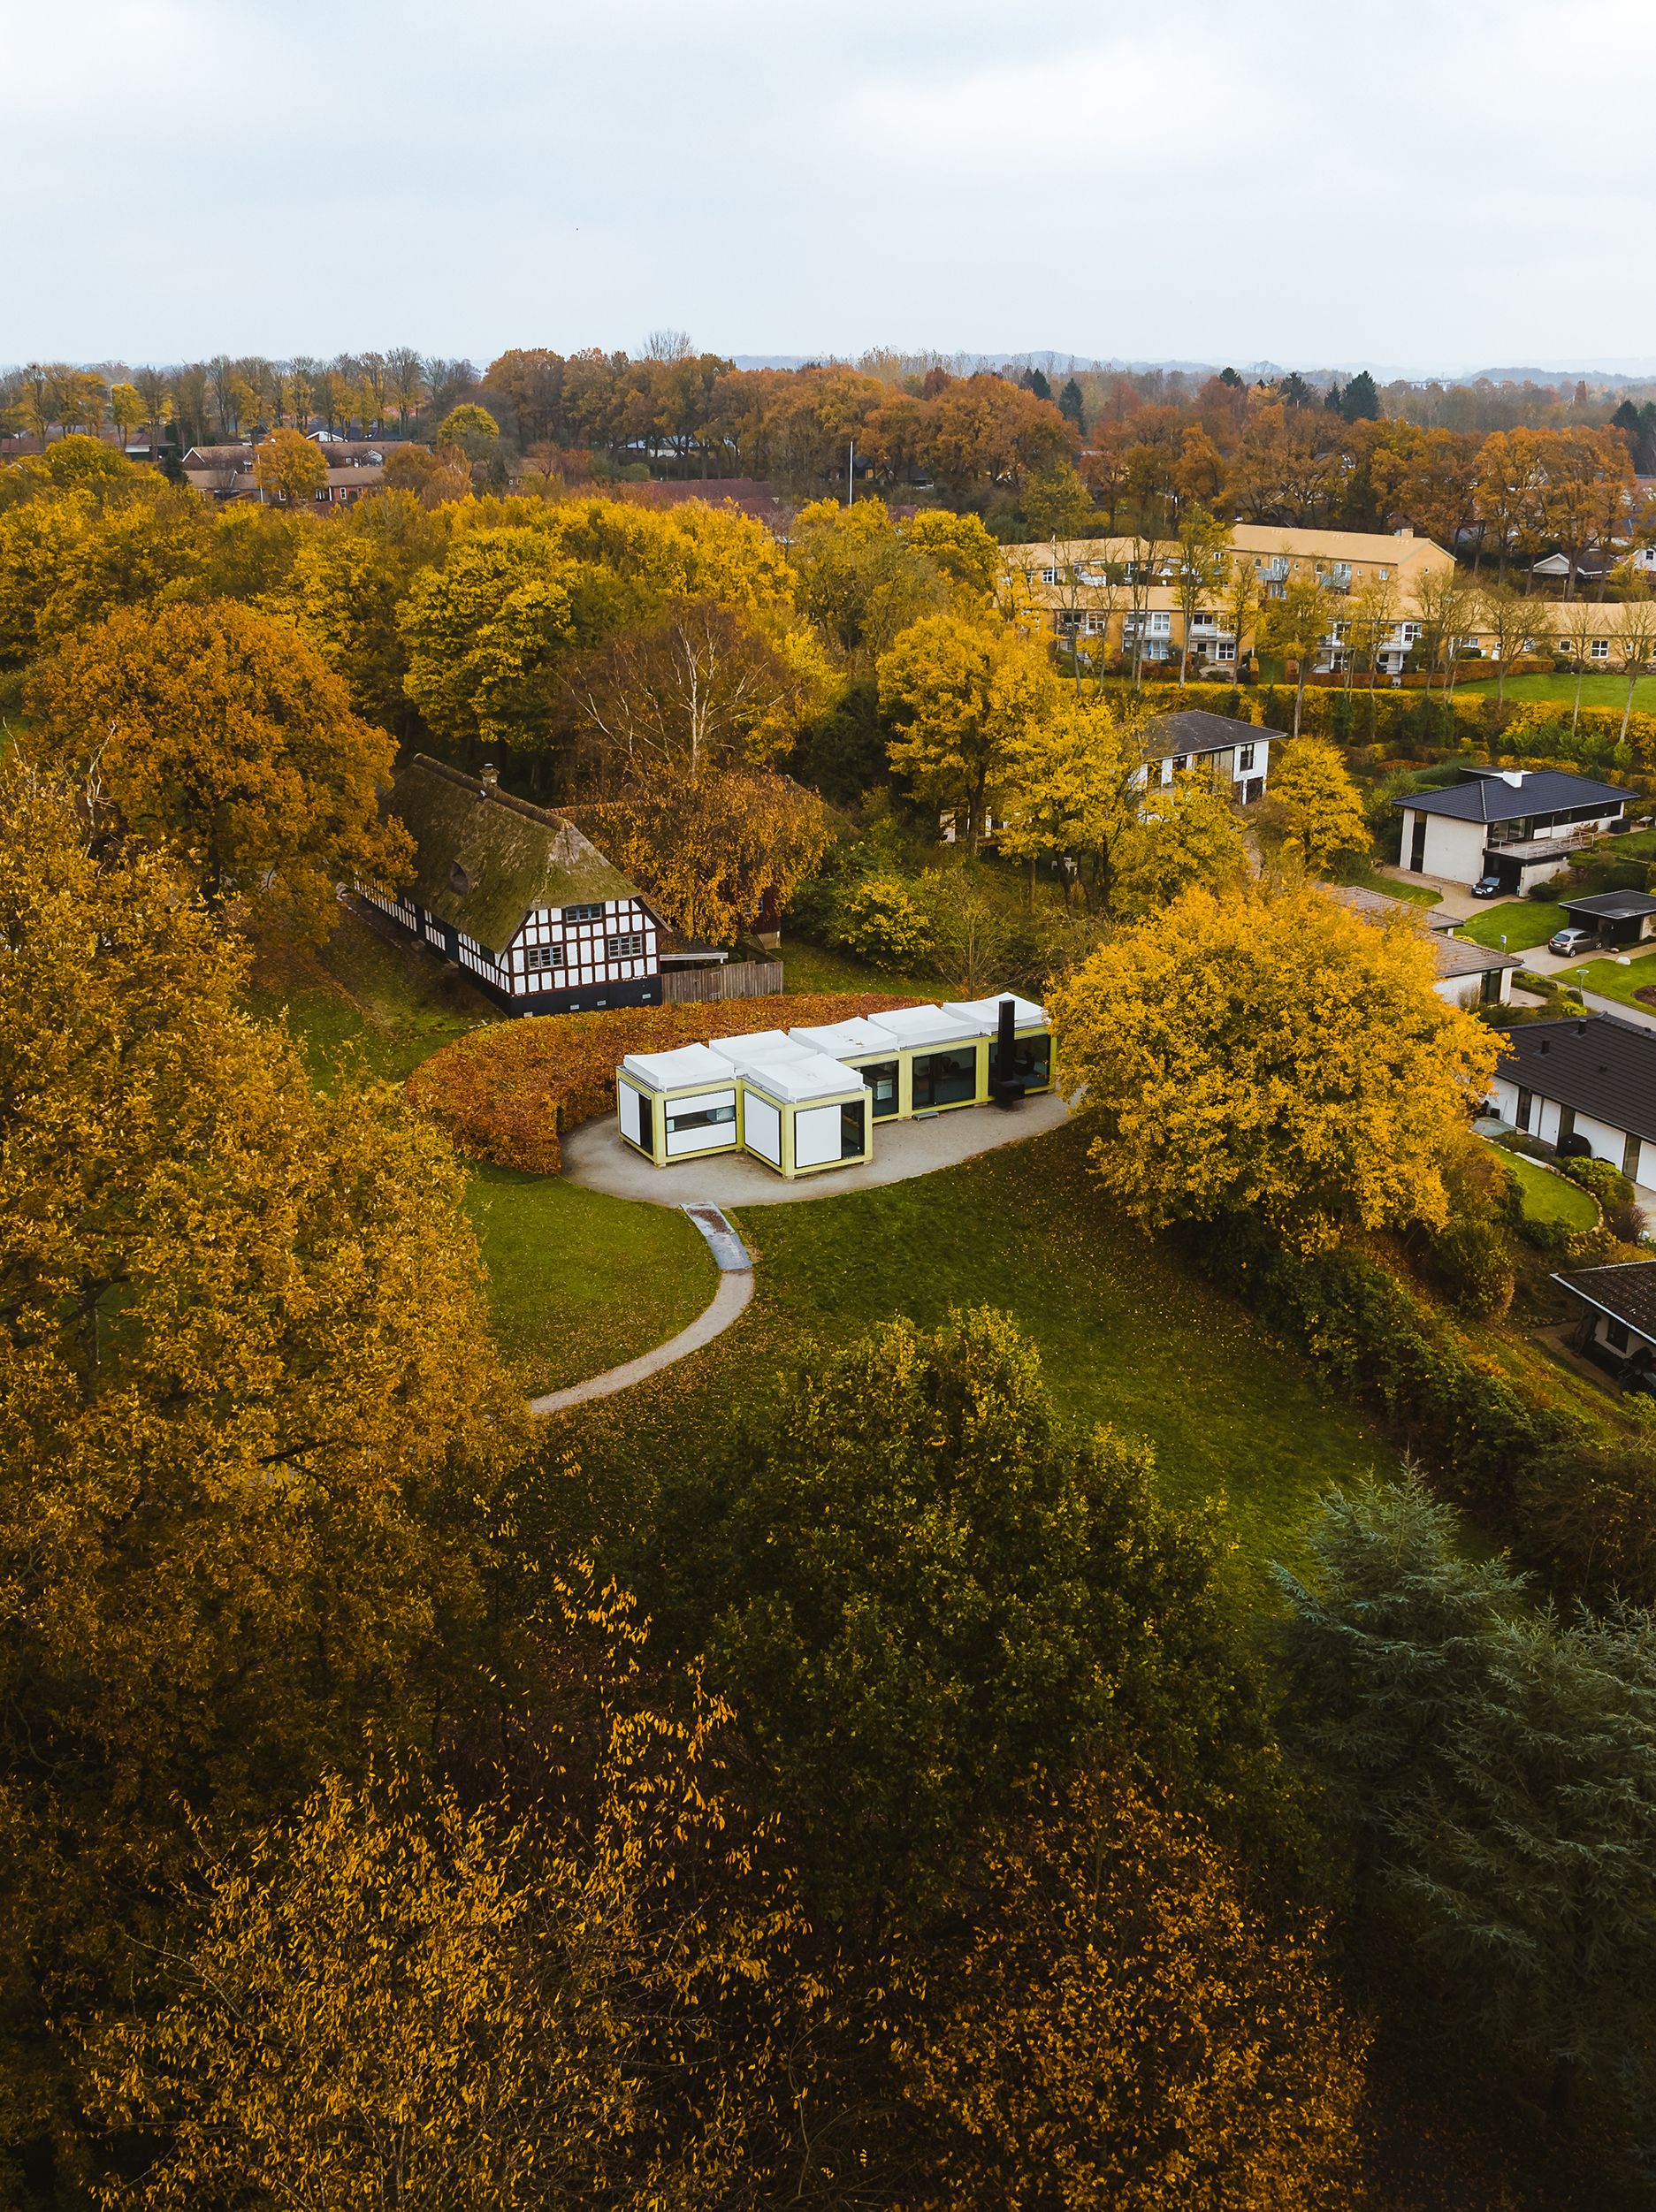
x=737 y=979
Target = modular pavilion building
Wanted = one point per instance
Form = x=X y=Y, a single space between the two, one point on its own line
x=803 y=1101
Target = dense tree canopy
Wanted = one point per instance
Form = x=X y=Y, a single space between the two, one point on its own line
x=247 y=1408
x=1272 y=1054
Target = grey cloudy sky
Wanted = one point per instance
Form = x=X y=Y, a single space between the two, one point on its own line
x=1431 y=184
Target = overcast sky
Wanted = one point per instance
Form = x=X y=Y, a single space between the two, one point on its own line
x=1435 y=184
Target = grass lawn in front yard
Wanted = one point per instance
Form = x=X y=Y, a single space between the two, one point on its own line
x=1610 y=979
x=1549 y=1197
x=1367 y=877
x=1516 y=925
x=579 y=1281
x=1596 y=690
x=366 y=1000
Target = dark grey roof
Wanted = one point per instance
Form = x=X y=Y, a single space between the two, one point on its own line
x=1611 y=905
x=1193 y=729
x=484 y=860
x=1595 y=1064
x=1492 y=798
x=1626 y=1292
x=1454 y=955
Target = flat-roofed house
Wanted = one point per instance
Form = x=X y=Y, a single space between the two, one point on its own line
x=1468 y=974
x=1522 y=825
x=518 y=898
x=1587 y=1087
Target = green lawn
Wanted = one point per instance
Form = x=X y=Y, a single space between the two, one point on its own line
x=1128 y=1331
x=1548 y=1196
x=579 y=1282
x=366 y=1000
x=1611 y=980
x=1368 y=878
x=1596 y=690
x=1516 y=925
x=812 y=967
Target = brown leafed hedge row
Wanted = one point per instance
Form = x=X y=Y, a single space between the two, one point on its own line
x=504 y=1093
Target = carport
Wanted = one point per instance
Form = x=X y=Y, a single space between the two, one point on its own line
x=1617 y=917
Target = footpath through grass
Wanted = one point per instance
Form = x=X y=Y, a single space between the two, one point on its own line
x=579 y=1281
x=1128 y=1329
x=1518 y=925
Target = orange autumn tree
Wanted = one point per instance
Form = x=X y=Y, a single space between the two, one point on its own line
x=1120 y=2032
x=682 y=724
x=224 y=738
x=288 y=468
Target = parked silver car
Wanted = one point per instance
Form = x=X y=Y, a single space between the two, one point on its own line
x=1570 y=943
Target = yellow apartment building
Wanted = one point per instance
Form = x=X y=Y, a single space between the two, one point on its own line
x=1110 y=593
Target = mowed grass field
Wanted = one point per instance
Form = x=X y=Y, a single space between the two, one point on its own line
x=1516 y=925
x=1128 y=1329
x=1596 y=690
x=578 y=1281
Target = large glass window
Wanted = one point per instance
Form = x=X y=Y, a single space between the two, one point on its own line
x=853 y=1129
x=945 y=1078
x=881 y=1079
x=1032 y=1062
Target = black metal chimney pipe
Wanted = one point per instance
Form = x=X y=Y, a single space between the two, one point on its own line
x=1006 y=1089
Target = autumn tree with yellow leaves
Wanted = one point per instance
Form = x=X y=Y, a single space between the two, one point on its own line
x=1119 y=2031
x=1314 y=805
x=289 y=469
x=249 y=1414
x=958 y=695
x=1272 y=1054
x=220 y=736
x=402 y=1998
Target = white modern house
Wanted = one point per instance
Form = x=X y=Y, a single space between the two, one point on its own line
x=786 y=1098
x=518 y=898
x=1522 y=825
x=1237 y=755
x=1468 y=974
x=1585 y=1085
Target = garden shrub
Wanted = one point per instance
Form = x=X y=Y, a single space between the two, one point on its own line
x=1471 y=1262
x=1606 y=1182
x=880 y=919
x=504 y=1093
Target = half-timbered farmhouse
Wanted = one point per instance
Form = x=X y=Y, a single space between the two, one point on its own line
x=518 y=898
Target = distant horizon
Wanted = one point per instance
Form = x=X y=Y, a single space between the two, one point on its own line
x=798 y=182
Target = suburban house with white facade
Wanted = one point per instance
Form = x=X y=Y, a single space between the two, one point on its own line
x=518 y=898
x=1236 y=754
x=1585 y=1085
x=1468 y=974
x=1523 y=825
x=1617 y=1328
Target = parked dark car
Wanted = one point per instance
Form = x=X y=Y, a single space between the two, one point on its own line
x=1487 y=887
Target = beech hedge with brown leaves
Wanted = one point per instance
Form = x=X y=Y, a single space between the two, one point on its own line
x=507 y=1092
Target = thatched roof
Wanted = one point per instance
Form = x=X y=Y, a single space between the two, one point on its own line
x=484 y=860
